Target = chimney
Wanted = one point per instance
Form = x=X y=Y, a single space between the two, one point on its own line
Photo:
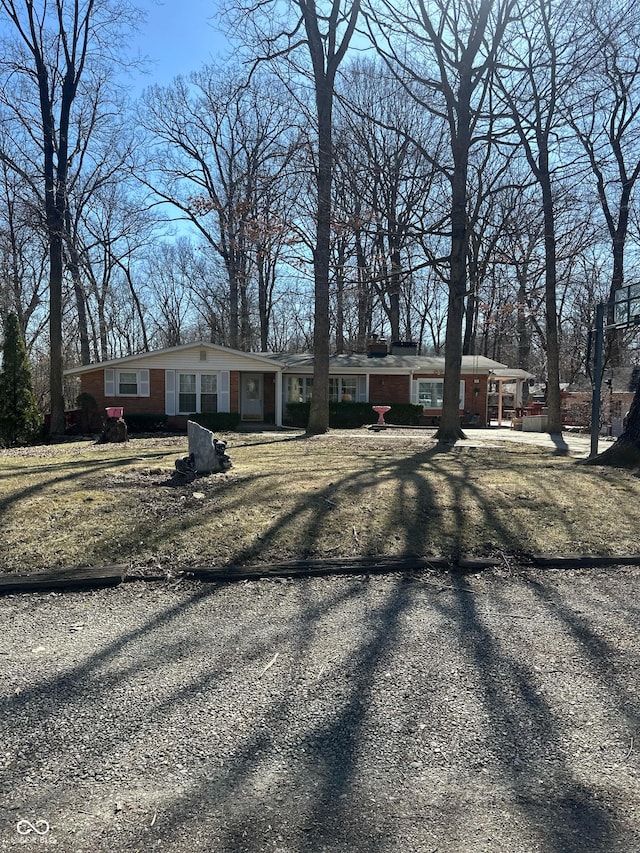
x=376 y=347
x=404 y=348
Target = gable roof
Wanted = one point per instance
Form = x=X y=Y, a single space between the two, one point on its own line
x=362 y=363
x=510 y=374
x=163 y=358
x=284 y=362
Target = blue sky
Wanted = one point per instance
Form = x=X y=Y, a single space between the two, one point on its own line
x=178 y=36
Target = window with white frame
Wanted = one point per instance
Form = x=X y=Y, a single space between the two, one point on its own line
x=197 y=392
x=208 y=392
x=127 y=383
x=299 y=389
x=343 y=389
x=430 y=393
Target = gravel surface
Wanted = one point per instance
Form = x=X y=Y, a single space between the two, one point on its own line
x=431 y=712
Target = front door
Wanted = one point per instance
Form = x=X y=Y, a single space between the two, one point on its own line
x=252 y=397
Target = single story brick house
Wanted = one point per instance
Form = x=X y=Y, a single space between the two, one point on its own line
x=204 y=377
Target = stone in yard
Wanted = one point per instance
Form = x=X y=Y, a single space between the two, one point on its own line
x=209 y=454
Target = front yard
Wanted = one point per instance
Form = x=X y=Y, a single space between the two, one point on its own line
x=287 y=496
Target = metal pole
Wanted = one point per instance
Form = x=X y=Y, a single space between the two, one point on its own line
x=597 y=378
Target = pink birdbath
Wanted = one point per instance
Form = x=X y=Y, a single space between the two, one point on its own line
x=381 y=411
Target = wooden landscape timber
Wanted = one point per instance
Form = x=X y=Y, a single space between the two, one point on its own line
x=105 y=576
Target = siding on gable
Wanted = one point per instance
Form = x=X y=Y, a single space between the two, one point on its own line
x=188 y=361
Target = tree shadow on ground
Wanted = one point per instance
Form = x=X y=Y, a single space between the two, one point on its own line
x=417 y=507
x=433 y=500
x=372 y=730
x=553 y=797
x=561 y=446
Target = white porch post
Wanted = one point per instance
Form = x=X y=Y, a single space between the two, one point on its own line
x=499 y=402
x=279 y=398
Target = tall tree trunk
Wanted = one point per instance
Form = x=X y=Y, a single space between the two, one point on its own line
x=395 y=280
x=56 y=369
x=625 y=451
x=136 y=301
x=618 y=241
x=449 y=430
x=364 y=287
x=103 y=330
x=55 y=197
x=524 y=338
x=340 y=343
x=263 y=301
x=554 y=419
x=319 y=409
x=234 y=301
x=78 y=289
x=470 y=319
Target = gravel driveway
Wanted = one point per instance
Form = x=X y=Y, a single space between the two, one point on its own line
x=435 y=712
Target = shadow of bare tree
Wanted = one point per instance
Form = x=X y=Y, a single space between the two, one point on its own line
x=431 y=712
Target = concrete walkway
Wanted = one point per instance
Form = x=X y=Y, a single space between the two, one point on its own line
x=569 y=443
x=572 y=444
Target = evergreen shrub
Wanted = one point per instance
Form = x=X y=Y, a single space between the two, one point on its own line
x=145 y=422
x=21 y=421
x=354 y=415
x=217 y=421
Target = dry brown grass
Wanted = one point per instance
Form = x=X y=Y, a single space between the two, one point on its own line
x=288 y=496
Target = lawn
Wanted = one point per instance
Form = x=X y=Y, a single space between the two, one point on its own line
x=287 y=496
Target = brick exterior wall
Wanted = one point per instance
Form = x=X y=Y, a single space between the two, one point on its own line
x=474 y=404
x=385 y=390
x=93 y=383
x=234 y=391
x=269 y=385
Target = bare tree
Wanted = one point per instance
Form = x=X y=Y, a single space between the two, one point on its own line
x=313 y=38
x=107 y=236
x=444 y=53
x=23 y=256
x=220 y=151
x=391 y=185
x=55 y=47
x=537 y=69
x=604 y=112
x=491 y=202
